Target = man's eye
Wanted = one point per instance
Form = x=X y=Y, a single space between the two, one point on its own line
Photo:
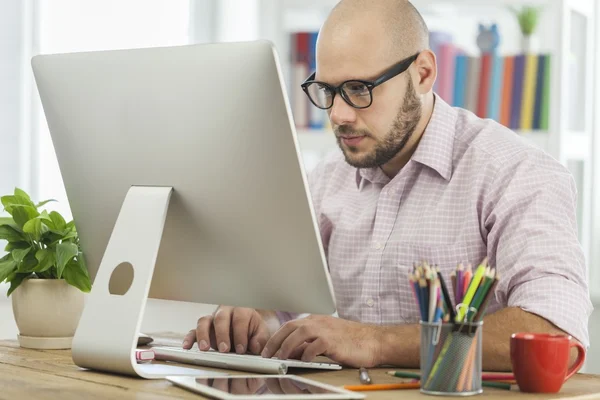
x=356 y=89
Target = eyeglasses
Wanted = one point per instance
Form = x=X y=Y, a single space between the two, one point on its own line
x=356 y=92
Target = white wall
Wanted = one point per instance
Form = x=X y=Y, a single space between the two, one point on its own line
x=12 y=34
x=594 y=262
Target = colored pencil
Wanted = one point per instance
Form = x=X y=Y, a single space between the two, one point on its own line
x=382 y=386
x=459 y=284
x=473 y=284
x=446 y=295
x=486 y=300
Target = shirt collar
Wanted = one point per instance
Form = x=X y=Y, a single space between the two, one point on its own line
x=436 y=146
x=435 y=149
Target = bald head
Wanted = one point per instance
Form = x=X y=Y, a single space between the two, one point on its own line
x=393 y=27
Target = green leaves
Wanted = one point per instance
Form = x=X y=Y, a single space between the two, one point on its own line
x=19 y=199
x=21 y=214
x=64 y=253
x=16 y=245
x=19 y=254
x=35 y=228
x=7 y=266
x=16 y=280
x=40 y=243
x=76 y=275
x=10 y=234
x=45 y=258
x=42 y=203
x=528 y=17
x=58 y=222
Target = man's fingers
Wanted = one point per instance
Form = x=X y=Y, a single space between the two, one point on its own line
x=314 y=349
x=298 y=351
x=222 y=327
x=240 y=325
x=274 y=343
x=189 y=339
x=259 y=338
x=295 y=340
x=203 y=332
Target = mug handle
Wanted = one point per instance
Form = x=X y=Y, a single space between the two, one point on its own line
x=580 y=358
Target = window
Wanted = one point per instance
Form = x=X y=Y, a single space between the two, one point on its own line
x=74 y=25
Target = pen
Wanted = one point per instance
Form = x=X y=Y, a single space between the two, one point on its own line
x=382 y=386
x=364 y=377
x=499 y=381
x=402 y=374
x=493 y=376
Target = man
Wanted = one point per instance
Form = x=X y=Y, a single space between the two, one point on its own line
x=417 y=180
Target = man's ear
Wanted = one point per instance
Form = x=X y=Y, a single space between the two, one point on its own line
x=425 y=72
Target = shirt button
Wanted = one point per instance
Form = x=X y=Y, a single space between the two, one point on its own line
x=370 y=302
x=377 y=246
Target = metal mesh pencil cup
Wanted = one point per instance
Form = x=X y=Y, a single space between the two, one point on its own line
x=451 y=358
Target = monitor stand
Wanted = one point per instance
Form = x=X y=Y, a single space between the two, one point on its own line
x=107 y=334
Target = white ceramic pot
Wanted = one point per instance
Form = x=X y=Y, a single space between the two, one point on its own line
x=530 y=44
x=47 y=312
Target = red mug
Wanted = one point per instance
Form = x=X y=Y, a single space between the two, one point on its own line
x=540 y=361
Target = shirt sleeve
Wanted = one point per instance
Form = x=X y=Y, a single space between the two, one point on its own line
x=530 y=217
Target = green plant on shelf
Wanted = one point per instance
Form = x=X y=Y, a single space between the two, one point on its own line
x=528 y=18
x=40 y=245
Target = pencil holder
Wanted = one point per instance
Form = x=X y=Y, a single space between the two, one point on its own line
x=451 y=358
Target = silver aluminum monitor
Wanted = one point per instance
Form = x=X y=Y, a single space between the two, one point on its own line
x=213 y=122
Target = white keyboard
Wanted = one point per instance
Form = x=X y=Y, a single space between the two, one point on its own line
x=241 y=362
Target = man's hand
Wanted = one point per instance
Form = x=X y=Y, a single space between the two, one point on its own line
x=347 y=342
x=230 y=328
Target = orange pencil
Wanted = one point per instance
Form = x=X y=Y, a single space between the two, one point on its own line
x=382 y=386
x=467 y=279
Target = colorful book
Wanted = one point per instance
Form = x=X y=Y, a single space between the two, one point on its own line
x=436 y=39
x=446 y=71
x=474 y=68
x=316 y=116
x=300 y=71
x=545 y=95
x=484 y=85
x=495 y=98
x=517 y=92
x=539 y=87
x=507 y=85
x=460 y=80
x=529 y=81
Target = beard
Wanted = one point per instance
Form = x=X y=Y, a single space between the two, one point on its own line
x=393 y=142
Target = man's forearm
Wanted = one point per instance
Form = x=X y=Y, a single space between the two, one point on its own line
x=498 y=327
x=399 y=345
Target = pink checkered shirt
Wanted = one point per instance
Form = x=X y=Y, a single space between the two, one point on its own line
x=472 y=189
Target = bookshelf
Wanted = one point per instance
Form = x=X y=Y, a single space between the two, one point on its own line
x=565 y=31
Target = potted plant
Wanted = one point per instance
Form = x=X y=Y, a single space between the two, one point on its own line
x=528 y=18
x=46 y=271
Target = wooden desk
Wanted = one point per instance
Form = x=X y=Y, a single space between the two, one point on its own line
x=51 y=374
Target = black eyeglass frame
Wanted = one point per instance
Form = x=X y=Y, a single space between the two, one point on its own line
x=390 y=73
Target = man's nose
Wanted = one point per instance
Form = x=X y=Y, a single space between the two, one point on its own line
x=341 y=113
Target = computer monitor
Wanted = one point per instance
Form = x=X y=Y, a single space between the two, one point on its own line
x=212 y=122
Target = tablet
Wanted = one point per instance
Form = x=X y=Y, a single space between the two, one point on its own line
x=252 y=387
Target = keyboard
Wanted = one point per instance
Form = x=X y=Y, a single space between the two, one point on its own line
x=240 y=362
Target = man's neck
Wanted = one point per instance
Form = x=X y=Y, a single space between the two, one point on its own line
x=394 y=166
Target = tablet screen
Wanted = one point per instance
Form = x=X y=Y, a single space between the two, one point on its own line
x=280 y=386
